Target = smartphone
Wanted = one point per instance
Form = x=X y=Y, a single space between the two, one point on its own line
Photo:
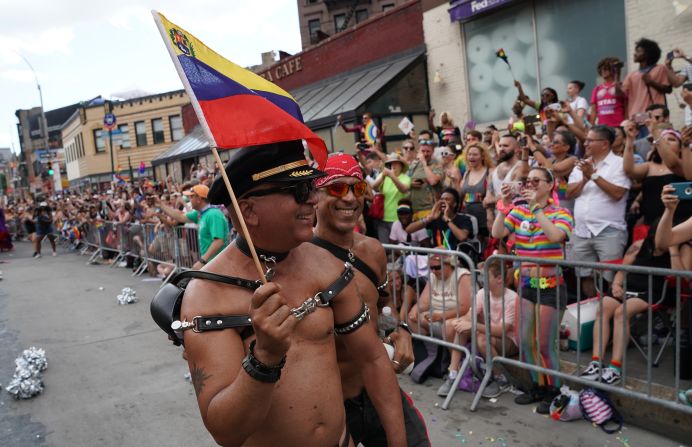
x=515 y=187
x=522 y=141
x=670 y=56
x=363 y=146
x=683 y=190
x=640 y=117
x=532 y=119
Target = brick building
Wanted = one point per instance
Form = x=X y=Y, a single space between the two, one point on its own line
x=320 y=19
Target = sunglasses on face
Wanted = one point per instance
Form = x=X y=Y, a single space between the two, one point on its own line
x=535 y=181
x=445 y=154
x=435 y=268
x=301 y=191
x=426 y=142
x=341 y=189
x=409 y=148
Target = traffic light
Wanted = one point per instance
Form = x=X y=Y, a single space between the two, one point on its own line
x=50 y=172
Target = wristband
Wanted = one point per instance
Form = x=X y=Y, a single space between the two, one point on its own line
x=258 y=370
x=404 y=326
x=203 y=261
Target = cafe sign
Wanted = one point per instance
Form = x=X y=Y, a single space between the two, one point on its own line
x=283 y=69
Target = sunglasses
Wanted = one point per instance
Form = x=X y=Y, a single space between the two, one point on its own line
x=435 y=267
x=426 y=142
x=301 y=191
x=409 y=148
x=341 y=189
x=445 y=154
x=535 y=181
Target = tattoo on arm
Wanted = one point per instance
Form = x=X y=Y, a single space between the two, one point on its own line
x=634 y=249
x=198 y=377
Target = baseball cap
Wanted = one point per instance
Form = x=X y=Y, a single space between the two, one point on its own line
x=282 y=162
x=201 y=190
x=339 y=165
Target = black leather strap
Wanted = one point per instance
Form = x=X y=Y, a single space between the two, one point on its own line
x=347 y=256
x=219 y=322
x=243 y=246
x=337 y=286
x=232 y=280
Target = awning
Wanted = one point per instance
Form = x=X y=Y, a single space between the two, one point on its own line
x=191 y=145
x=324 y=100
x=465 y=10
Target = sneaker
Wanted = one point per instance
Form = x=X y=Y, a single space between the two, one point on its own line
x=592 y=371
x=611 y=375
x=543 y=406
x=528 y=398
x=55 y=254
x=445 y=388
x=502 y=382
x=492 y=390
x=122 y=264
x=37 y=255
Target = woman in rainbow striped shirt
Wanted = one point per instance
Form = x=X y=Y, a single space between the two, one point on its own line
x=540 y=228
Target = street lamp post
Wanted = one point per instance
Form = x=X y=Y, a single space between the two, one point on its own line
x=44 y=122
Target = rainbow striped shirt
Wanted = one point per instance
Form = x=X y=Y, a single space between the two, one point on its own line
x=530 y=240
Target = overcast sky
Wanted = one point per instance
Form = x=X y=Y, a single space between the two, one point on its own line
x=84 y=48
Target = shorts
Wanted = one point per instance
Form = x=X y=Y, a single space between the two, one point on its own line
x=548 y=297
x=365 y=426
x=40 y=232
x=609 y=245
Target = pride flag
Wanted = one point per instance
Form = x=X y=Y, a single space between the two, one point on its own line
x=236 y=107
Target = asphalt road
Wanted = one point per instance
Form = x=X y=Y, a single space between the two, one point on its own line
x=114 y=380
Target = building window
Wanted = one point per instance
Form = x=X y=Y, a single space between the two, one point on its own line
x=157 y=130
x=313 y=27
x=387 y=7
x=176 y=123
x=361 y=14
x=339 y=20
x=99 y=141
x=124 y=136
x=141 y=133
x=544 y=48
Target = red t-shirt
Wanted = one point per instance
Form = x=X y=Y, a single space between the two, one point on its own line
x=610 y=108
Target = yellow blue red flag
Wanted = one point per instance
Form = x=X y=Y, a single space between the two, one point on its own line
x=236 y=107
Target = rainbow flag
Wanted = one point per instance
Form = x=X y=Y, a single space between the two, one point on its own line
x=236 y=107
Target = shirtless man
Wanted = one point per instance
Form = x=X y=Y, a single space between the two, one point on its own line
x=341 y=197
x=509 y=161
x=246 y=394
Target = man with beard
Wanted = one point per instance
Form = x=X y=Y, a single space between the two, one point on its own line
x=243 y=397
x=341 y=197
x=509 y=167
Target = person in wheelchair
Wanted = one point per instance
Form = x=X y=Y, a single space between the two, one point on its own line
x=632 y=288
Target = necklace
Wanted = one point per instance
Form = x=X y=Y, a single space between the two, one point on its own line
x=269 y=258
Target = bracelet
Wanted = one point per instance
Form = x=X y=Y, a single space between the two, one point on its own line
x=203 y=261
x=258 y=370
x=404 y=326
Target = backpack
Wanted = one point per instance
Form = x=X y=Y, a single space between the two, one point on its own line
x=597 y=407
x=469 y=380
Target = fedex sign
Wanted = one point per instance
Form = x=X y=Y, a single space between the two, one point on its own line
x=463 y=10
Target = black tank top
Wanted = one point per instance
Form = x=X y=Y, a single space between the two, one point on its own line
x=652 y=207
x=646 y=258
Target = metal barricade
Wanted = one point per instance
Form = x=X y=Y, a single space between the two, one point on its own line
x=89 y=237
x=186 y=246
x=675 y=285
x=159 y=251
x=412 y=263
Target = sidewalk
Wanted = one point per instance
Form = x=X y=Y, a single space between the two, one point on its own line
x=114 y=380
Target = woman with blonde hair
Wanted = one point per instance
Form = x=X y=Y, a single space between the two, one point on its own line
x=474 y=185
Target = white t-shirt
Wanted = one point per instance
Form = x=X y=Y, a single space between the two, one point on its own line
x=443 y=294
x=510 y=299
x=594 y=210
x=399 y=235
x=578 y=103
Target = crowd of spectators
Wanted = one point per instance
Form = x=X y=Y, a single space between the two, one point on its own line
x=564 y=180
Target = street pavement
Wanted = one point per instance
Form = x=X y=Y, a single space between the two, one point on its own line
x=113 y=379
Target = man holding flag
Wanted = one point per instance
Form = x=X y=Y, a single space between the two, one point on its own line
x=244 y=398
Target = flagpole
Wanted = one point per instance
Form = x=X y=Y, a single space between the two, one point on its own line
x=212 y=144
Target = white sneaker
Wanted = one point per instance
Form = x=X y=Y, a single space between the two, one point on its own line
x=610 y=376
x=37 y=255
x=592 y=371
x=446 y=387
x=55 y=254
